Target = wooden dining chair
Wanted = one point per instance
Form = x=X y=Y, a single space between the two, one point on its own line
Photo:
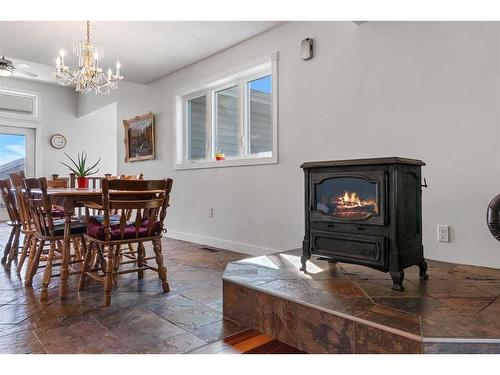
x=48 y=230
x=12 y=245
x=27 y=226
x=146 y=202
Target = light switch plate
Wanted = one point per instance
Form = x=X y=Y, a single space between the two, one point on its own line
x=443 y=233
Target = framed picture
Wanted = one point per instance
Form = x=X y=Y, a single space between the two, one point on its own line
x=140 y=138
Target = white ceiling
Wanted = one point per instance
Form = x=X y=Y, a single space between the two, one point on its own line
x=146 y=50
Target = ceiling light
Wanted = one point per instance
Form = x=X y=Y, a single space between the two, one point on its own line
x=88 y=76
x=5 y=73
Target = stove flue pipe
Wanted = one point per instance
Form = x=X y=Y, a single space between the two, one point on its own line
x=493 y=217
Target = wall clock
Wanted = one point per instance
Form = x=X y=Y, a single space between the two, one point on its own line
x=58 y=141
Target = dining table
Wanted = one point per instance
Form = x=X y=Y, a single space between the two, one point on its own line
x=69 y=199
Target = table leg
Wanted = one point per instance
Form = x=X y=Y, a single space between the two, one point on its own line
x=66 y=248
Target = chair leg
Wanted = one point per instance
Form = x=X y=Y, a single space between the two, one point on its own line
x=8 y=245
x=24 y=252
x=86 y=267
x=108 y=279
x=83 y=247
x=162 y=270
x=130 y=248
x=94 y=260
x=32 y=252
x=116 y=263
x=47 y=274
x=34 y=264
x=14 y=248
x=141 y=251
x=77 y=248
x=100 y=257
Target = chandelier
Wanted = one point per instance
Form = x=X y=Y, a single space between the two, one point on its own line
x=89 y=76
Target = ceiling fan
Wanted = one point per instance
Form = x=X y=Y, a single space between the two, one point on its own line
x=7 y=68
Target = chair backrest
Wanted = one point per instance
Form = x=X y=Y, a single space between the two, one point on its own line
x=139 y=176
x=145 y=201
x=10 y=201
x=55 y=177
x=39 y=206
x=57 y=183
x=17 y=181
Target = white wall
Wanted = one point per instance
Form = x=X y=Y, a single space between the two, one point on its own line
x=57 y=110
x=129 y=100
x=94 y=132
x=414 y=89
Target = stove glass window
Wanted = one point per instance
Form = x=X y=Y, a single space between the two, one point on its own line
x=349 y=198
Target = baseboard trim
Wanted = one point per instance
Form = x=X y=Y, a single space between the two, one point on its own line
x=221 y=244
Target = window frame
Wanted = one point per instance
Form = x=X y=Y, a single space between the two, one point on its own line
x=240 y=78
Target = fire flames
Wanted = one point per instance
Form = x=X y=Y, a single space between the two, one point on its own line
x=350 y=204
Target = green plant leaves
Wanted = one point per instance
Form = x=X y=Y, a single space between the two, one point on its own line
x=80 y=168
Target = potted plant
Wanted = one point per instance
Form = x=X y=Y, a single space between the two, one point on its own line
x=81 y=170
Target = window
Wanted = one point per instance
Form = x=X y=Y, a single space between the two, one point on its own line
x=227 y=137
x=197 y=108
x=259 y=114
x=235 y=116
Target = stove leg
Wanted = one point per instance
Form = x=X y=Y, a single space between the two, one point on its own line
x=397 y=280
x=423 y=270
x=303 y=261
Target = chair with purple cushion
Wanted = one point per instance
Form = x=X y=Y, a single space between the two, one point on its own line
x=142 y=207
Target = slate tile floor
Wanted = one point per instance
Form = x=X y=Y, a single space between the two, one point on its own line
x=141 y=319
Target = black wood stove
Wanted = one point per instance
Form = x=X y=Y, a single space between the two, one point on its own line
x=367 y=212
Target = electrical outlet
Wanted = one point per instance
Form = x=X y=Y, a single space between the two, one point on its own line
x=443 y=232
x=210 y=212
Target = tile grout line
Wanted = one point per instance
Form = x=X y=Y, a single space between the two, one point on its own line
x=197 y=327
x=364 y=291
x=40 y=341
x=488 y=305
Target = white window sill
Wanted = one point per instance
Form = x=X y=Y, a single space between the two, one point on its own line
x=202 y=164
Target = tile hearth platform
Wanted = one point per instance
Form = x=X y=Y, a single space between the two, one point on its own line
x=343 y=308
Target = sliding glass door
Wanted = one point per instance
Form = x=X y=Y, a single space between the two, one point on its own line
x=17 y=152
